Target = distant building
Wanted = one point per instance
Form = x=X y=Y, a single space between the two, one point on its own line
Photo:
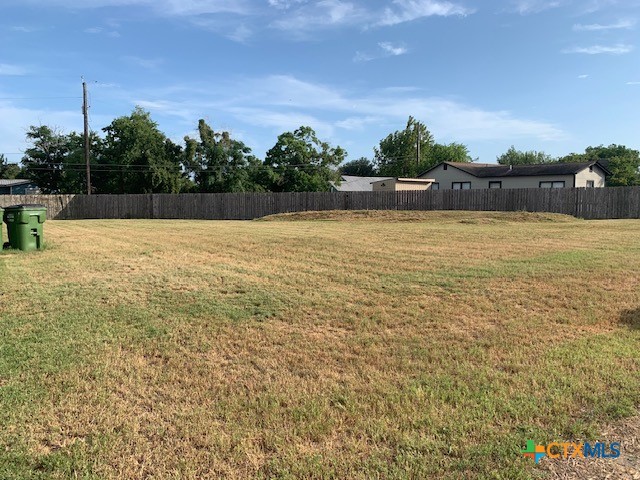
x=18 y=187
x=467 y=176
x=402 y=184
x=352 y=183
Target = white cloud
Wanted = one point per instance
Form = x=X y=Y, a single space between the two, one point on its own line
x=147 y=63
x=14 y=122
x=297 y=17
x=593 y=6
x=163 y=7
x=524 y=7
x=595 y=27
x=289 y=91
x=393 y=49
x=333 y=13
x=284 y=102
x=363 y=57
x=322 y=14
x=166 y=107
x=618 y=49
x=583 y=76
x=357 y=123
x=409 y=10
x=199 y=7
x=633 y=83
x=385 y=49
x=267 y=106
x=12 y=70
x=23 y=29
x=102 y=31
x=240 y=34
x=284 y=4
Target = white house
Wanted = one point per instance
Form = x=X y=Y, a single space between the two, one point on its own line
x=466 y=176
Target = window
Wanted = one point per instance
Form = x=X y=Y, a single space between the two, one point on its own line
x=461 y=185
x=444 y=167
x=435 y=186
x=551 y=184
x=591 y=184
x=496 y=184
x=591 y=168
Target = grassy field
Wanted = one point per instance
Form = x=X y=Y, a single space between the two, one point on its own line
x=417 y=345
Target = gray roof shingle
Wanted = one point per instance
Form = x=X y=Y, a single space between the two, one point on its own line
x=352 y=183
x=13 y=183
x=483 y=170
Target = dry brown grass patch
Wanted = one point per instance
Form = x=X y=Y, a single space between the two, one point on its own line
x=421 y=216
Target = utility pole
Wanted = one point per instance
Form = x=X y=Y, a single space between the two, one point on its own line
x=85 y=112
x=418 y=146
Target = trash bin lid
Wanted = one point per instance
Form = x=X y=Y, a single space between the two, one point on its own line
x=26 y=206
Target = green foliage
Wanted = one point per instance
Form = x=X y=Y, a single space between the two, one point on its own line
x=519 y=157
x=145 y=160
x=453 y=152
x=362 y=167
x=300 y=162
x=397 y=154
x=221 y=164
x=136 y=157
x=8 y=170
x=74 y=165
x=44 y=161
x=621 y=161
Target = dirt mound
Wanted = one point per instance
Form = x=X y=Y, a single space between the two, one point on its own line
x=420 y=216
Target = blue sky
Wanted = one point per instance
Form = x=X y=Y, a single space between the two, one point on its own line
x=552 y=75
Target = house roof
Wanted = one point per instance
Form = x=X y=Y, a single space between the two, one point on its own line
x=14 y=182
x=352 y=183
x=407 y=180
x=483 y=170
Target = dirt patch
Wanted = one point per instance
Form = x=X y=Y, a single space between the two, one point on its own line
x=421 y=216
x=627 y=466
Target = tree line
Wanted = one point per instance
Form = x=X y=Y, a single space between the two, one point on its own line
x=134 y=156
x=623 y=163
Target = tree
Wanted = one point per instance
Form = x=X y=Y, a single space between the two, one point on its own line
x=397 y=155
x=362 y=167
x=74 y=171
x=453 y=152
x=55 y=161
x=44 y=160
x=300 y=162
x=621 y=161
x=220 y=164
x=139 y=157
x=518 y=157
x=8 y=171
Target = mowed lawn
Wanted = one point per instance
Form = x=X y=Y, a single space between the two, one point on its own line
x=362 y=348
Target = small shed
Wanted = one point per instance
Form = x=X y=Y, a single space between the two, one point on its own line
x=353 y=183
x=402 y=184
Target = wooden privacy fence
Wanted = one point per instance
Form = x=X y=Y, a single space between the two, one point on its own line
x=589 y=203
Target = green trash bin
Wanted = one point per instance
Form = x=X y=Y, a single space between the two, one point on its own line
x=24 y=226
